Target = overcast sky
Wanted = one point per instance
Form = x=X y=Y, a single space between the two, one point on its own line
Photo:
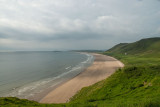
x=76 y=24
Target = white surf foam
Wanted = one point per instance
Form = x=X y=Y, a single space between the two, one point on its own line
x=68 y=67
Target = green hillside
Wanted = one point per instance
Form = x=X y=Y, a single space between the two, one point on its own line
x=136 y=85
x=16 y=102
x=148 y=45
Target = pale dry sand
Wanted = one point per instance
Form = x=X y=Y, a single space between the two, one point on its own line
x=102 y=67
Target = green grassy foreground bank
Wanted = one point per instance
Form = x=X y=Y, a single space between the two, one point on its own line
x=136 y=85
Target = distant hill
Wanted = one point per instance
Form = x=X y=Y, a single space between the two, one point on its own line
x=148 y=45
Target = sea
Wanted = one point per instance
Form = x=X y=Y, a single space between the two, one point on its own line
x=26 y=74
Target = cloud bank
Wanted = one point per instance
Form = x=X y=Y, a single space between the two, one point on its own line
x=75 y=24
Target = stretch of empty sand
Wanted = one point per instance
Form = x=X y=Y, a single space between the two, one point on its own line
x=102 y=67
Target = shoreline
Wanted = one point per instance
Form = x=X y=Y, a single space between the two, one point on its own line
x=39 y=96
x=102 y=67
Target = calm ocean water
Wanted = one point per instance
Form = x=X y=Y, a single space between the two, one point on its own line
x=24 y=74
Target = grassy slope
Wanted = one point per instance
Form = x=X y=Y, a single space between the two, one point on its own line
x=148 y=45
x=15 y=102
x=138 y=84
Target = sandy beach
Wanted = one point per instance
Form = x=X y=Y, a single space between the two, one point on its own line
x=102 y=67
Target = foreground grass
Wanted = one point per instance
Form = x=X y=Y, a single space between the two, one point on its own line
x=136 y=85
x=15 y=102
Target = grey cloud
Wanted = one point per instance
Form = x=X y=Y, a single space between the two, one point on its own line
x=70 y=24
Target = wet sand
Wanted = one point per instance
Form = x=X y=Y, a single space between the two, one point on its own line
x=102 y=67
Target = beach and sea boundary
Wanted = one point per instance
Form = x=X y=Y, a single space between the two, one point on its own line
x=102 y=67
x=35 y=74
